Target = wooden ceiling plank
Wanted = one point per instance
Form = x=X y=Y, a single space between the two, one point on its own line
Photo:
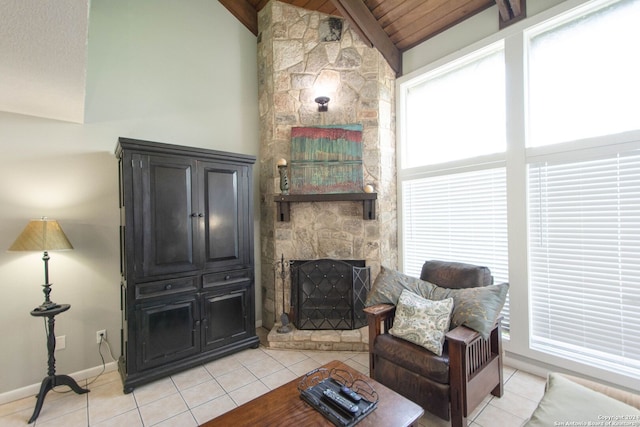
x=244 y=12
x=406 y=9
x=427 y=26
x=360 y=17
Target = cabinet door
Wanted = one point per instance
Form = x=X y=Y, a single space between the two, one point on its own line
x=225 y=316
x=168 y=331
x=226 y=224
x=166 y=216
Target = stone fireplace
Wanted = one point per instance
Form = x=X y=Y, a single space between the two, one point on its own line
x=302 y=55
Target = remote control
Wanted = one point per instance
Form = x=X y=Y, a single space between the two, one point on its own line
x=352 y=395
x=340 y=401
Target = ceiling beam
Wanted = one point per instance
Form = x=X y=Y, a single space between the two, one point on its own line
x=511 y=11
x=245 y=13
x=366 y=25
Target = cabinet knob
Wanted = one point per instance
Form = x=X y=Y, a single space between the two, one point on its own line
x=167 y=287
x=227 y=277
x=200 y=215
x=193 y=215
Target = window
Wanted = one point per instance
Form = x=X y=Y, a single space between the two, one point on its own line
x=584 y=199
x=583 y=75
x=585 y=259
x=457 y=112
x=453 y=212
x=562 y=205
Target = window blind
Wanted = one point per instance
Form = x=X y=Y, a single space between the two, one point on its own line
x=584 y=249
x=458 y=217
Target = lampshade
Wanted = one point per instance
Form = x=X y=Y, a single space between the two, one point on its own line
x=41 y=235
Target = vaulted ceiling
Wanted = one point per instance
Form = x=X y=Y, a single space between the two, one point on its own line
x=392 y=26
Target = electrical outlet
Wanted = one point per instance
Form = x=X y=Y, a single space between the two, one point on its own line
x=101 y=333
x=61 y=342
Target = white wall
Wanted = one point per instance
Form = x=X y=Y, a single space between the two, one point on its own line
x=176 y=72
x=467 y=32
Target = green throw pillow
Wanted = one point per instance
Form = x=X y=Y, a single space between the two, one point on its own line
x=422 y=321
x=476 y=308
x=389 y=284
x=568 y=403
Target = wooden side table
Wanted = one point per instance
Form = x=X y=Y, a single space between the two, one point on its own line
x=52 y=380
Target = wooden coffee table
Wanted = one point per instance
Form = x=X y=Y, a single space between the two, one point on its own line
x=284 y=407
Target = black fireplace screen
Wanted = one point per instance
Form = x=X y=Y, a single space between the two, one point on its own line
x=329 y=294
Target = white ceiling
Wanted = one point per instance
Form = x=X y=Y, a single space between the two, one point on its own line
x=43 y=55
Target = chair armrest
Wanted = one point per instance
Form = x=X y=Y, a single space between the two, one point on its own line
x=461 y=335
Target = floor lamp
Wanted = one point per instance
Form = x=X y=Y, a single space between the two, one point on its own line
x=46 y=235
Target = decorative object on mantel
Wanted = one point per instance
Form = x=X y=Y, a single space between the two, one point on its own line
x=46 y=235
x=326 y=159
x=368 y=188
x=281 y=268
x=284 y=180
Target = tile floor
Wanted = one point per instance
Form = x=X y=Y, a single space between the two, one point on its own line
x=192 y=397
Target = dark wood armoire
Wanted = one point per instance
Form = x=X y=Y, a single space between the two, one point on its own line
x=187 y=268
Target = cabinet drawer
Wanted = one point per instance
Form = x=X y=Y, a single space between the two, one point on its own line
x=165 y=287
x=225 y=278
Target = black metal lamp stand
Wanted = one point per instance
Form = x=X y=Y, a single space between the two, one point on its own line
x=52 y=380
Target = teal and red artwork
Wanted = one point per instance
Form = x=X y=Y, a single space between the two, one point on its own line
x=326 y=159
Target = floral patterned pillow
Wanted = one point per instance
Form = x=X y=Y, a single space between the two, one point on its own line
x=422 y=321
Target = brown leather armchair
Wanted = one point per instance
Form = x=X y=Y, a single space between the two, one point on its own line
x=450 y=386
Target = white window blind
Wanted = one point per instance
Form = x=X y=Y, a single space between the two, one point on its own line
x=458 y=217
x=584 y=238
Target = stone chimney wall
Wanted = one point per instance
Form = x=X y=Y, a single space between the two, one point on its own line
x=302 y=55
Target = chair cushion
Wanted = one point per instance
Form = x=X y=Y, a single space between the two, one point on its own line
x=571 y=403
x=422 y=321
x=477 y=308
x=389 y=284
x=413 y=357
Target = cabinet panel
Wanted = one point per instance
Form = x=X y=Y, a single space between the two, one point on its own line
x=225 y=316
x=225 y=206
x=168 y=331
x=168 y=218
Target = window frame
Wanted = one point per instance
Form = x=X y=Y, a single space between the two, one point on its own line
x=516 y=159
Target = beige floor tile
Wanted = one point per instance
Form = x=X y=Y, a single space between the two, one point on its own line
x=54 y=408
x=430 y=420
x=361 y=358
x=75 y=418
x=236 y=379
x=357 y=366
x=324 y=357
x=526 y=385
x=17 y=406
x=248 y=392
x=286 y=357
x=108 y=401
x=251 y=356
x=301 y=368
x=213 y=408
x=105 y=378
x=191 y=377
x=515 y=404
x=495 y=417
x=222 y=366
x=279 y=378
x=156 y=390
x=17 y=419
x=264 y=367
x=128 y=419
x=162 y=409
x=184 y=419
x=201 y=393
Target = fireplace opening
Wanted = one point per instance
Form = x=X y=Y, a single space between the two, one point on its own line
x=329 y=294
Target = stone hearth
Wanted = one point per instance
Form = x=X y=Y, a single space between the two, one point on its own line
x=354 y=340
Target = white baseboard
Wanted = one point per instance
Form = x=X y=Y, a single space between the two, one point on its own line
x=33 y=389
